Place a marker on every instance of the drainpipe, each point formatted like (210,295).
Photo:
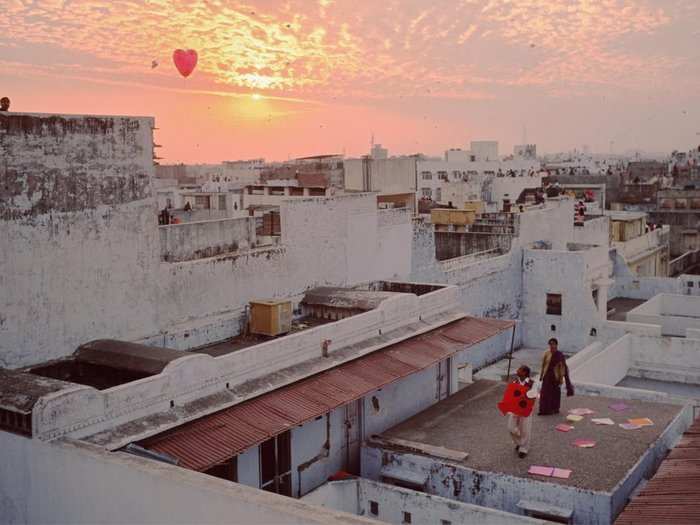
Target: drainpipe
(325,452)
(510,355)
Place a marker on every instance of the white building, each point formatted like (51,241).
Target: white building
(378,152)
(457,181)
(484,150)
(108,241)
(379,318)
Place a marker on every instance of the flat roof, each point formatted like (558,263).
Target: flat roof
(469,421)
(207,441)
(625,215)
(20,391)
(619,306)
(673,494)
(241,341)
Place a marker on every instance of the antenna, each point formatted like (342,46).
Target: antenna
(371,144)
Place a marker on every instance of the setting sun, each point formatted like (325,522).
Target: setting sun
(257,96)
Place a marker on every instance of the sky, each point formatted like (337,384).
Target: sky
(287,78)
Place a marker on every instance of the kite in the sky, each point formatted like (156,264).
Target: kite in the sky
(185,61)
(154,64)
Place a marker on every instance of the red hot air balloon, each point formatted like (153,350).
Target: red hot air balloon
(185,61)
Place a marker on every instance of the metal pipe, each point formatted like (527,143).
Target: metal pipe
(510,355)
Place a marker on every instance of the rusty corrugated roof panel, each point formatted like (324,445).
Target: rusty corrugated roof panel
(673,494)
(207,441)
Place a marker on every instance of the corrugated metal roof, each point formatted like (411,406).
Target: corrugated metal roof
(208,441)
(673,494)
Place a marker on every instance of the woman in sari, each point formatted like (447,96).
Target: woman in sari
(553,374)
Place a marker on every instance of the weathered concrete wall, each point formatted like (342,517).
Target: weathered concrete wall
(680,221)
(77,232)
(557,272)
(674,313)
(489,287)
(117,488)
(199,240)
(456,244)
(553,223)
(82,248)
(392,502)
(607,367)
(397,175)
(488,489)
(594,231)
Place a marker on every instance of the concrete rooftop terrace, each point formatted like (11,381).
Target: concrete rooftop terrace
(469,421)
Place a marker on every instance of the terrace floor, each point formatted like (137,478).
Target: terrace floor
(669,387)
(618,307)
(242,341)
(469,421)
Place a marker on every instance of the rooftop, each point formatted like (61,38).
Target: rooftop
(241,341)
(673,494)
(469,421)
(618,307)
(105,363)
(217,437)
(616,215)
(21,391)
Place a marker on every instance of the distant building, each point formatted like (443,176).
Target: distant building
(644,248)
(526,151)
(379,153)
(680,209)
(484,150)
(644,171)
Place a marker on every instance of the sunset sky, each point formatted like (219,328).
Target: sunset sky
(279,78)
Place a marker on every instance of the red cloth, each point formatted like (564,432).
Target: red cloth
(515,401)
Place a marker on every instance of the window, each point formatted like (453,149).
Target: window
(442,175)
(456,175)
(276,465)
(426,175)
(406,517)
(201,201)
(445,522)
(426,192)
(553,304)
(222,202)
(438,194)
(690,284)
(374,508)
(226,470)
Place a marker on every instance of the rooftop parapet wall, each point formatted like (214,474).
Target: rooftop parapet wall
(645,243)
(198,240)
(78,233)
(72,163)
(242,374)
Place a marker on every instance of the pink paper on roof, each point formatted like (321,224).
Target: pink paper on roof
(619,407)
(562,473)
(540,471)
(584,443)
(563,428)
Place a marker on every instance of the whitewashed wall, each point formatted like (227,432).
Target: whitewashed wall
(81,243)
(78,233)
(60,483)
(558,272)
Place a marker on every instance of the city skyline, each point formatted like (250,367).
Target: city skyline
(294,78)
